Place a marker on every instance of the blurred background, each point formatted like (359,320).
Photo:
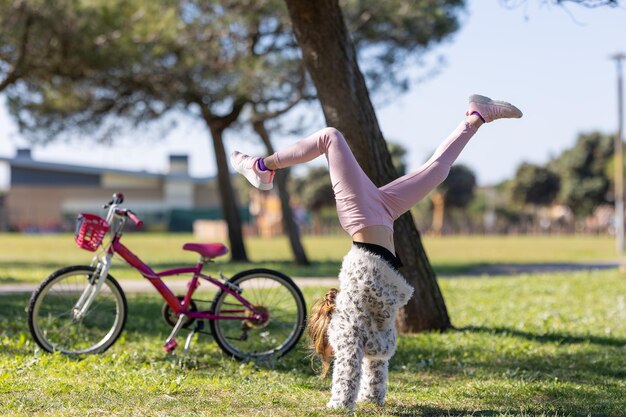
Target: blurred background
(103,101)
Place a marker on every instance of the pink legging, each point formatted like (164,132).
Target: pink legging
(359,202)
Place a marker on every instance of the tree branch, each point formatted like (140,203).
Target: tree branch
(585,3)
(590,3)
(14,72)
(222,122)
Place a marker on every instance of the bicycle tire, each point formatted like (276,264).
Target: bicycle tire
(50,312)
(275,293)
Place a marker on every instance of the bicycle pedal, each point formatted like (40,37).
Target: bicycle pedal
(170,346)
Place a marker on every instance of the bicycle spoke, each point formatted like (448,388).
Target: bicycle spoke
(52,313)
(271,294)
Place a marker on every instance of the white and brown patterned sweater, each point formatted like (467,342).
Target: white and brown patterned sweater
(362,330)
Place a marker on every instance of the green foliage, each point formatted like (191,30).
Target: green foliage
(38,39)
(584,185)
(534,185)
(87,41)
(458,187)
(106,62)
(138,60)
(387,34)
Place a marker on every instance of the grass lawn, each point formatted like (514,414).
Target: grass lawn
(533,345)
(529,345)
(31,258)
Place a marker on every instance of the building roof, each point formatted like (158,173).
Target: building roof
(25,161)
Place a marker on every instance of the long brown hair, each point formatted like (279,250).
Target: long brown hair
(317,329)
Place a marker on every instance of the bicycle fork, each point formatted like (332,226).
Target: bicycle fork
(89,294)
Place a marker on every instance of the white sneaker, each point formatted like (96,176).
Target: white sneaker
(491,110)
(247,166)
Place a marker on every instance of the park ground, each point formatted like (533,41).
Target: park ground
(524,344)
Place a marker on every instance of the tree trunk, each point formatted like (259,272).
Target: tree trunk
(330,58)
(230,208)
(438,213)
(289,224)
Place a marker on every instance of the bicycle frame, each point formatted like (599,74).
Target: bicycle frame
(155,278)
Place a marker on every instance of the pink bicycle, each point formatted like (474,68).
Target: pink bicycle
(82,309)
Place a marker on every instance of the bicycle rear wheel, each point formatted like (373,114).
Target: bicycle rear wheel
(52,312)
(278,297)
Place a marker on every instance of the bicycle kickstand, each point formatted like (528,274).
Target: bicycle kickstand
(198,327)
(170,342)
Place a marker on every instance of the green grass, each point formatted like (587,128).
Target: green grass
(30,258)
(529,345)
(533,345)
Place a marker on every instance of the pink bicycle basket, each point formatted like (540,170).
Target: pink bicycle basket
(90,230)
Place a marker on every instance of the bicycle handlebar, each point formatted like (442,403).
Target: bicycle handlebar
(138,222)
(132,216)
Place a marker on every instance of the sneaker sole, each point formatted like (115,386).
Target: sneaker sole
(265,187)
(476,98)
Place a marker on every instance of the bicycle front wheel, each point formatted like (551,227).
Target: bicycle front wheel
(277,297)
(53,312)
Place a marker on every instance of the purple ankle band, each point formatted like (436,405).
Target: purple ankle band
(479,115)
(261,165)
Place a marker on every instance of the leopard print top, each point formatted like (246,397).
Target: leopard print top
(362,330)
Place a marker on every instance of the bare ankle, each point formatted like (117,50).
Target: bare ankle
(475,121)
(269,163)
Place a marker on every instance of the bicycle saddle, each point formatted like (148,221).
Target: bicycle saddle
(208,250)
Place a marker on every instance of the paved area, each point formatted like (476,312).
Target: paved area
(136,286)
(517,269)
(142,285)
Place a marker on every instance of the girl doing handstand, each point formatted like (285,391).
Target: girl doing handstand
(356,325)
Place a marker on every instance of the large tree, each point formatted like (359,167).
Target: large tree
(141,60)
(331,59)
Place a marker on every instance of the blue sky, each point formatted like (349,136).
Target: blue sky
(551,62)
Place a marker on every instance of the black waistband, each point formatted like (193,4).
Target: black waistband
(381,251)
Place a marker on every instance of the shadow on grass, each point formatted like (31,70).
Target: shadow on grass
(590,359)
(557,338)
(14,322)
(595,356)
(423,411)
(457,270)
(578,375)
